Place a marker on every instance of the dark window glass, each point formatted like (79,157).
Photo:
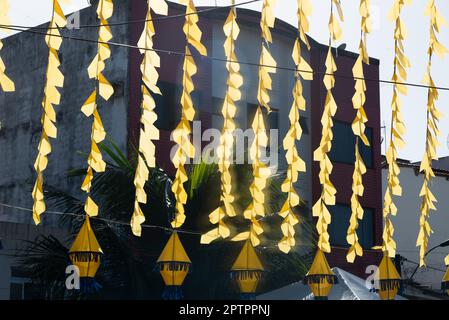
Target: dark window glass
(340,222)
(343,145)
(168,107)
(303,124)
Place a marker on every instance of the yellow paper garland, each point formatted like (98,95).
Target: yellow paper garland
(181,135)
(148,132)
(225,149)
(328,192)
(401,64)
(433,116)
(260,171)
(103,88)
(6,84)
(358,127)
(294,161)
(52,97)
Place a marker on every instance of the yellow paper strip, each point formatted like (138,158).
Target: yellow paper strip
(102,89)
(226,147)
(327,198)
(261,172)
(181,135)
(147,151)
(432,132)
(54,80)
(358,127)
(401,64)
(6,84)
(294,161)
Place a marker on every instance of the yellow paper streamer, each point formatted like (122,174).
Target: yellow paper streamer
(260,171)
(148,132)
(6,84)
(328,192)
(401,64)
(52,97)
(225,149)
(181,135)
(358,127)
(104,89)
(433,116)
(294,161)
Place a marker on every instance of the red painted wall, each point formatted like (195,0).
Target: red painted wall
(342,173)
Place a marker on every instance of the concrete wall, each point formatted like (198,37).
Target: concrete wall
(20,111)
(26,56)
(406,225)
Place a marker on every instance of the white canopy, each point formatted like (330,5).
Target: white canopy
(349,287)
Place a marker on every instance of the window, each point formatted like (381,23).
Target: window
(168,107)
(338,228)
(343,145)
(304,125)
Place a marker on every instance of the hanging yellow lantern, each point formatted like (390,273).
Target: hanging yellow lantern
(445,282)
(174,265)
(247,271)
(85,254)
(320,277)
(388,279)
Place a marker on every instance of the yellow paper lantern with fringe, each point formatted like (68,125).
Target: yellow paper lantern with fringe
(388,279)
(174,265)
(445,282)
(85,254)
(320,277)
(247,271)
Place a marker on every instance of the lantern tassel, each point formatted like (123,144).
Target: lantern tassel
(390,284)
(172,293)
(320,278)
(85,256)
(246,274)
(174,266)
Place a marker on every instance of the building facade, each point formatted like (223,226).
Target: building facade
(406,222)
(25,54)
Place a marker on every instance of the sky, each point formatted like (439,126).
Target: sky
(380,46)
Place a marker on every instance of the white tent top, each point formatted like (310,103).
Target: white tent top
(349,287)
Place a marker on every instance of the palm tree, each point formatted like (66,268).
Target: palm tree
(127,269)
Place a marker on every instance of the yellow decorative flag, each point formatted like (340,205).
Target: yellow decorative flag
(260,171)
(226,147)
(6,84)
(104,89)
(294,161)
(432,133)
(401,64)
(358,127)
(181,135)
(52,97)
(148,132)
(328,192)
